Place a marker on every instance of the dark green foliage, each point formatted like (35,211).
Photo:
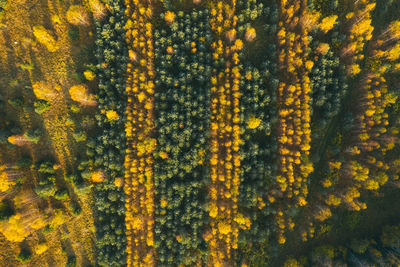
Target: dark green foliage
(46,187)
(24,162)
(61,194)
(3,137)
(328,84)
(258,86)
(182,118)
(71,262)
(16,102)
(73,33)
(108,149)
(48,229)
(391,236)
(25,255)
(6,210)
(359,245)
(75,208)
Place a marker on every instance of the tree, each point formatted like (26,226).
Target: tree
(169,17)
(40,248)
(98,9)
(44,91)
(77,15)
(6,210)
(45,38)
(41,106)
(61,194)
(80,93)
(328,23)
(24,255)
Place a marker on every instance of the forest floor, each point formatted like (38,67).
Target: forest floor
(18,46)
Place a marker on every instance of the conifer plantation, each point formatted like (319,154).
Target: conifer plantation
(207,133)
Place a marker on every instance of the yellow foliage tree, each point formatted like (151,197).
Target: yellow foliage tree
(77,15)
(118,182)
(45,38)
(328,23)
(112,115)
(18,140)
(97,177)
(89,75)
(98,8)
(58,219)
(15,229)
(5,182)
(44,91)
(323,48)
(253,123)
(250,34)
(40,248)
(169,17)
(80,93)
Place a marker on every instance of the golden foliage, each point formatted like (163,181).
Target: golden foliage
(45,38)
(294,109)
(118,182)
(44,91)
(225,170)
(59,218)
(97,176)
(323,48)
(80,93)
(253,122)
(40,248)
(328,23)
(15,229)
(98,9)
(139,184)
(77,15)
(163,155)
(18,140)
(169,17)
(5,182)
(89,75)
(112,115)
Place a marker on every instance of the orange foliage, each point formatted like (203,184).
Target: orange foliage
(77,15)
(250,34)
(169,17)
(97,177)
(80,93)
(44,91)
(18,140)
(98,9)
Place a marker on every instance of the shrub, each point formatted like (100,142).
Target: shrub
(41,106)
(25,255)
